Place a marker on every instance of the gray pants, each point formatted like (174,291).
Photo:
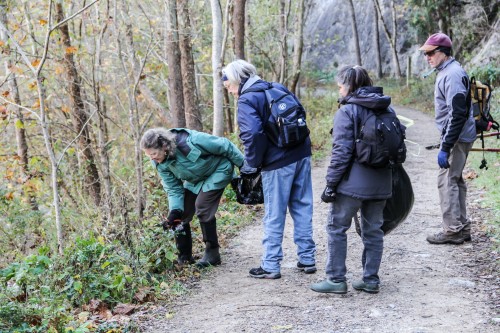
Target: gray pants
(453,190)
(342,210)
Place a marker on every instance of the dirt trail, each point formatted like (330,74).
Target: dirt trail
(424,288)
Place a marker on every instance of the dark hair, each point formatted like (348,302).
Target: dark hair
(354,77)
(445,50)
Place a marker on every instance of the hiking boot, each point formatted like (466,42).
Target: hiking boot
(260,273)
(466,235)
(308,269)
(329,286)
(185,260)
(442,238)
(371,288)
(210,258)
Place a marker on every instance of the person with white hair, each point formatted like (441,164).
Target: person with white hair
(286,172)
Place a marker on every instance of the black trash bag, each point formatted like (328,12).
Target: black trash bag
(248,189)
(399,205)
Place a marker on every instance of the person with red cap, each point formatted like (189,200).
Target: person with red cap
(455,121)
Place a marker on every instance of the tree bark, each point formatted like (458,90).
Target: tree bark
(354,26)
(227,110)
(298,47)
(102,134)
(239,28)
(190,92)
(283,26)
(92,182)
(173,55)
(22,144)
(390,37)
(376,36)
(217,67)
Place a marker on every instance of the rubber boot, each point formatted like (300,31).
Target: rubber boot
(212,255)
(184,244)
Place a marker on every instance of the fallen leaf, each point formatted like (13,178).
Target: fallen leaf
(124,309)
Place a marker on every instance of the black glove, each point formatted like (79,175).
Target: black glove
(173,220)
(246,170)
(329,194)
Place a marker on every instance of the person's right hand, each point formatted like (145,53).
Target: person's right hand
(173,220)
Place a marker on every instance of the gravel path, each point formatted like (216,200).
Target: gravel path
(424,288)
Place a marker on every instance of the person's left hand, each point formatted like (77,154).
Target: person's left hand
(247,170)
(443,159)
(329,194)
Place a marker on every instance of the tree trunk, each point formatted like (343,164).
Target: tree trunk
(134,75)
(239,28)
(217,67)
(283,26)
(390,38)
(173,55)
(355,33)
(190,92)
(376,36)
(22,145)
(102,134)
(298,47)
(79,118)
(227,109)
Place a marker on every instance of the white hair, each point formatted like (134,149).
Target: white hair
(238,70)
(161,139)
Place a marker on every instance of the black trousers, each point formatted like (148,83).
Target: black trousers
(203,204)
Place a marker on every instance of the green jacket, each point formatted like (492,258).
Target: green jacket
(202,162)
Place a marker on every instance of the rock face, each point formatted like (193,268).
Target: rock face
(329,43)
(488,51)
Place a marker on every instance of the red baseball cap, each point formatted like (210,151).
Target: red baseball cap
(435,41)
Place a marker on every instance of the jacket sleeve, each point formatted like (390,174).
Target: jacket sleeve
(218,146)
(174,188)
(342,146)
(252,132)
(456,90)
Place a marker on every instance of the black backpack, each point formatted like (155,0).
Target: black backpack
(289,128)
(380,141)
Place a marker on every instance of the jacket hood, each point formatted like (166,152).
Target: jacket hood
(369,97)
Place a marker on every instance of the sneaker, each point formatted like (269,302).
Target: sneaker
(329,286)
(260,273)
(442,238)
(308,269)
(371,288)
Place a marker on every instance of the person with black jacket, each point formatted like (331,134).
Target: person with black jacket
(352,186)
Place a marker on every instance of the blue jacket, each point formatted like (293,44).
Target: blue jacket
(202,162)
(357,181)
(253,113)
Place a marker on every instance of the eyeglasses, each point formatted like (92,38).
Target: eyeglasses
(430,53)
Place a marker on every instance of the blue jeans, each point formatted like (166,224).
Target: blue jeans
(289,186)
(342,210)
